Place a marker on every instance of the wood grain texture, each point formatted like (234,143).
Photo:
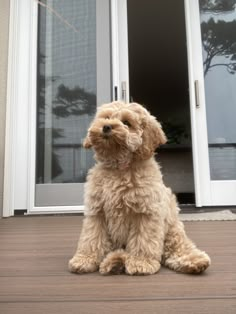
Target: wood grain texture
(137,307)
(34,252)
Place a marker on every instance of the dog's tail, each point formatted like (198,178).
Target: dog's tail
(113,263)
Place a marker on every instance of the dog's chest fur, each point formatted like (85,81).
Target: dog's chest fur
(118,202)
(119,196)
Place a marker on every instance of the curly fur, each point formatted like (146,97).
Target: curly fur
(131,221)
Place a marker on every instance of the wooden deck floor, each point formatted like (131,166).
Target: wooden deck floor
(34,252)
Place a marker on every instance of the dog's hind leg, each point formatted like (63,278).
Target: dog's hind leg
(181,254)
(93,245)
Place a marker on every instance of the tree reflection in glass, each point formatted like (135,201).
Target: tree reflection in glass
(219,36)
(218,30)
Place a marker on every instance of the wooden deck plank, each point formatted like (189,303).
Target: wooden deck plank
(137,307)
(95,287)
(34,253)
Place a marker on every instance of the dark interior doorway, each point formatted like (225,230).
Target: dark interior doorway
(158,73)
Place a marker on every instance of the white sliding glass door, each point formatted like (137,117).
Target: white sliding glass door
(73,78)
(211,29)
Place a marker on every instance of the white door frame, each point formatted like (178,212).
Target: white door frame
(195,69)
(208,192)
(20,138)
(198,113)
(120,55)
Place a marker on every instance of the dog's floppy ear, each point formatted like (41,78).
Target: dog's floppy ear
(159,137)
(87,142)
(153,136)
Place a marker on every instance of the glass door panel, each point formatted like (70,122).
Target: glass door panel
(218,34)
(74,76)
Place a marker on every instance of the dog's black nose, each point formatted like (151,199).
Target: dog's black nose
(107,128)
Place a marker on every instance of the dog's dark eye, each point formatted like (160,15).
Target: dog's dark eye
(125,122)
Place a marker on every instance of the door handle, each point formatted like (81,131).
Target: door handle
(123,91)
(197,98)
(115,93)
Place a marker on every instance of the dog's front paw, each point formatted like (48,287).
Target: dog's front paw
(83,264)
(141,266)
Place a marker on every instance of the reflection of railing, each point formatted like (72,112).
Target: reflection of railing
(175,148)
(222,161)
(68,145)
(222,145)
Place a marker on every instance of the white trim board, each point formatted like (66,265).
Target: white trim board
(21,86)
(12,81)
(56,210)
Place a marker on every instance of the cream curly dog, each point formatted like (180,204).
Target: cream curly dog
(131,222)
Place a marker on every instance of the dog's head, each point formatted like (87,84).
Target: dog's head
(120,129)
